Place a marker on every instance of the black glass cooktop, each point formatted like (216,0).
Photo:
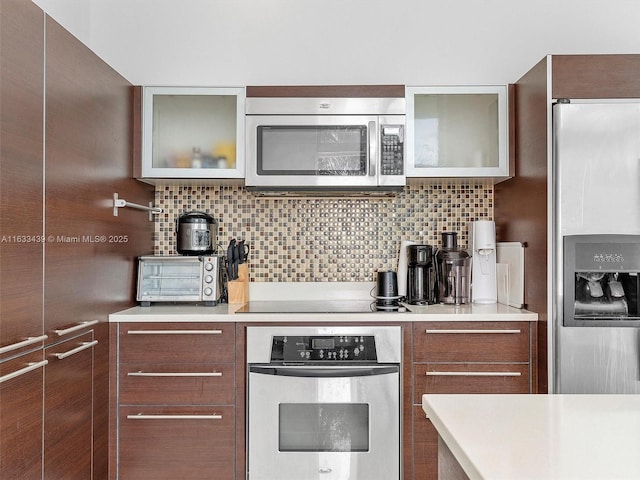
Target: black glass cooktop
(315,306)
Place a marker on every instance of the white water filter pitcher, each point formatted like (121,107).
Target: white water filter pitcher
(484,287)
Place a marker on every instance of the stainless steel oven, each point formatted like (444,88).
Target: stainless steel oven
(324,403)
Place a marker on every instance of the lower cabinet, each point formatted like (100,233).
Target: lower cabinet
(68,409)
(172,443)
(176,401)
(46,416)
(21,404)
(464,357)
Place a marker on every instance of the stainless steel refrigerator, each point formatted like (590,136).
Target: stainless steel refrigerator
(595,335)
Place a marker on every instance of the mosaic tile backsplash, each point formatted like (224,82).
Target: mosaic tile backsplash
(314,239)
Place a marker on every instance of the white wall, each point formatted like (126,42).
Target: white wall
(428,42)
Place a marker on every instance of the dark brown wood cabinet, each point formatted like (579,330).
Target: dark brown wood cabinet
(65,126)
(464,357)
(177,401)
(21,404)
(21,175)
(68,412)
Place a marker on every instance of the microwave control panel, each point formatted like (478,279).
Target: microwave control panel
(323,348)
(392,150)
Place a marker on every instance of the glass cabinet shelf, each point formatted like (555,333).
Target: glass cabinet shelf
(192,132)
(457,132)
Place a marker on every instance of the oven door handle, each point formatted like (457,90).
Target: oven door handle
(323,372)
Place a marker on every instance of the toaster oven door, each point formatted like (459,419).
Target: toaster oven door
(172,279)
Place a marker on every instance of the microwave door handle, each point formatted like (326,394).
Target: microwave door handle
(325,372)
(373,148)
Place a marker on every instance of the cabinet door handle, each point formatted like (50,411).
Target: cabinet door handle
(174,332)
(473,374)
(79,326)
(78,349)
(22,371)
(174,374)
(428,331)
(373,150)
(140,416)
(23,343)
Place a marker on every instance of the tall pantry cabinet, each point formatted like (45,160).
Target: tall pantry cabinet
(65,261)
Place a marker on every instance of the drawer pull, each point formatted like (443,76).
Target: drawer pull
(84,346)
(174,374)
(22,371)
(140,416)
(80,326)
(23,343)
(174,332)
(474,374)
(472,331)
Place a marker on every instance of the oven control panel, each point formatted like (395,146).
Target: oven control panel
(324,348)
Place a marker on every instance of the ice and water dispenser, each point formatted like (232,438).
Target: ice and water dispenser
(601,280)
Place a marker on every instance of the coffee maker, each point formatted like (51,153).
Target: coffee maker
(453,271)
(421,275)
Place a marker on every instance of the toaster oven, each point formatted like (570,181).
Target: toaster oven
(177,278)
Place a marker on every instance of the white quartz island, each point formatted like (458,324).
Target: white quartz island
(540,436)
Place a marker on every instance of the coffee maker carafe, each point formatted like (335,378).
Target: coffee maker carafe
(421,275)
(453,271)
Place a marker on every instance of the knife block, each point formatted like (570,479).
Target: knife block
(239,289)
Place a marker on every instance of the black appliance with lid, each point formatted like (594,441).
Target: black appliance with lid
(453,271)
(421,275)
(196,233)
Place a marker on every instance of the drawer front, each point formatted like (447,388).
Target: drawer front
(177,342)
(177,442)
(177,384)
(471,342)
(469,378)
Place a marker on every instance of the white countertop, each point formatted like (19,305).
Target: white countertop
(317,292)
(540,436)
(226,313)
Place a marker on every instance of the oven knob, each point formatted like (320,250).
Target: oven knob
(208,278)
(208,292)
(208,266)
(302,354)
(356,351)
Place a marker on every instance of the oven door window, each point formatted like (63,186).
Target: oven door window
(339,150)
(323,427)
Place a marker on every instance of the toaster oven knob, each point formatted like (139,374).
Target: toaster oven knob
(208,279)
(208,266)
(208,292)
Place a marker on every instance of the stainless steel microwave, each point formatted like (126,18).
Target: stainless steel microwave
(325,144)
(179,278)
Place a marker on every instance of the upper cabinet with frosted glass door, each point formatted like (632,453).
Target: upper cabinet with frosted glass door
(192,133)
(458,132)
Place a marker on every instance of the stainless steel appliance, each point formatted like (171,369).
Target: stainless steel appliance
(325,144)
(453,271)
(178,278)
(421,275)
(595,339)
(196,233)
(324,402)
